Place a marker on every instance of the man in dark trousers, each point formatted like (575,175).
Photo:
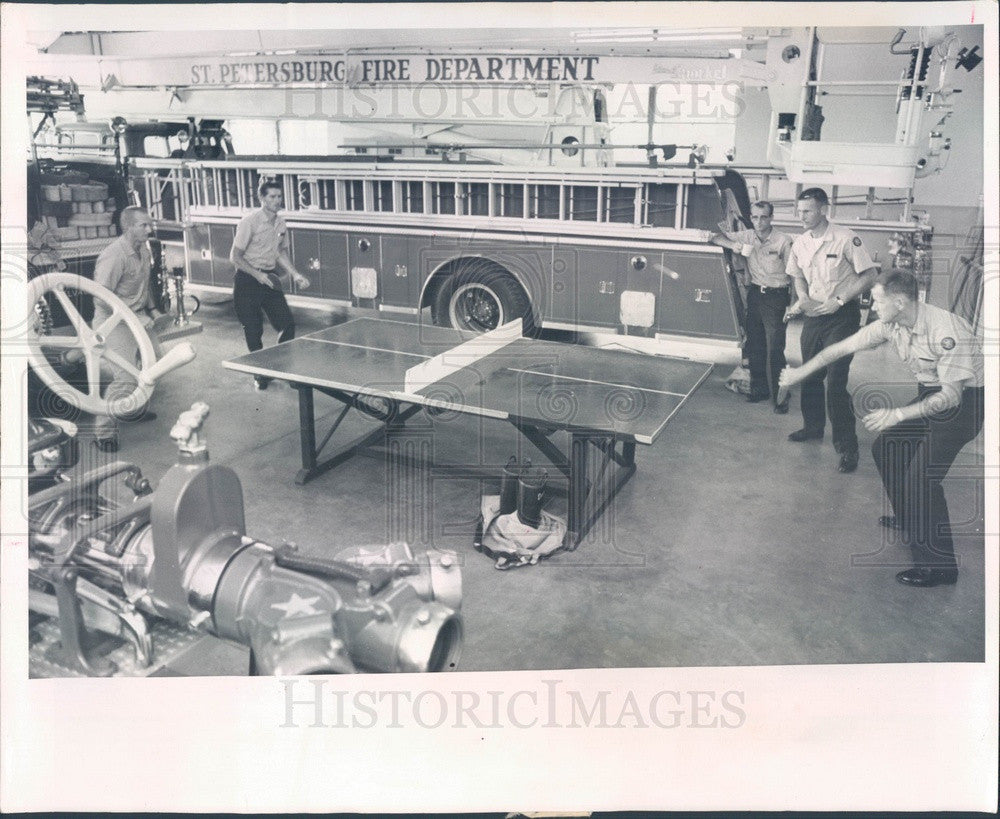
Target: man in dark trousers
(766,251)
(918,443)
(260,247)
(830,268)
(123,268)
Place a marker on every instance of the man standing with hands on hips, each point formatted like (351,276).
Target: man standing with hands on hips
(830,268)
(917,443)
(766,251)
(259,248)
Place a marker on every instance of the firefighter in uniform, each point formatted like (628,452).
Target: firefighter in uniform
(830,268)
(766,251)
(917,443)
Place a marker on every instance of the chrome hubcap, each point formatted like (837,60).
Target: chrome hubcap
(475,307)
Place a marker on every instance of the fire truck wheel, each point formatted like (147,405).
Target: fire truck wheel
(479,300)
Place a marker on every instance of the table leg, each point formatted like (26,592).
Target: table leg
(589,500)
(312,466)
(578,491)
(307,433)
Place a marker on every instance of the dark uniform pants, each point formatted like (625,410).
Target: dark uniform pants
(765,347)
(913,458)
(818,333)
(252,300)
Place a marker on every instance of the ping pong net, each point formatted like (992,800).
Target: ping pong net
(467,354)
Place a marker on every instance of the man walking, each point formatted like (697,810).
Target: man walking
(917,443)
(123,268)
(830,268)
(766,251)
(259,248)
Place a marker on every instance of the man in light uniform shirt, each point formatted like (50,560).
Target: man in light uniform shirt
(918,443)
(259,248)
(830,268)
(766,251)
(123,267)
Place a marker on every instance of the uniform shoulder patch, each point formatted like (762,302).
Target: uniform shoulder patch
(948,343)
(857,241)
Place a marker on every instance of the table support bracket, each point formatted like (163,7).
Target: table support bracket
(587,497)
(312,466)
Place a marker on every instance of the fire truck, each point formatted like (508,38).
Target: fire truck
(479,215)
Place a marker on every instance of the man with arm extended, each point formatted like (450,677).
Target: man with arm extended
(766,251)
(260,247)
(830,268)
(918,443)
(123,267)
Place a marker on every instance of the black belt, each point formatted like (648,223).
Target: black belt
(764,289)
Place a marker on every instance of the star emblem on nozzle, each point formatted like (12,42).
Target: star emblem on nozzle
(297,605)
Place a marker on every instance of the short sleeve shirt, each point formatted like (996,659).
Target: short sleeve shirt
(940,348)
(827,260)
(125,272)
(766,260)
(261,239)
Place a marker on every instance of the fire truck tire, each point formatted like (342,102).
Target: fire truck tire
(482,299)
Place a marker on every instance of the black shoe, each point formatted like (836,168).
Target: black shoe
(806,435)
(260,383)
(757,397)
(848,462)
(107,444)
(782,408)
(891,522)
(926,578)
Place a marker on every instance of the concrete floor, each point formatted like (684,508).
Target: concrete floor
(730,545)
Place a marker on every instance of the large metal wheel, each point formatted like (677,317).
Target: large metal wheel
(481,297)
(46,350)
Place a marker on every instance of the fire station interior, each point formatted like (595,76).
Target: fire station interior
(729,546)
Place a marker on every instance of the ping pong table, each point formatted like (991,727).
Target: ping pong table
(606,400)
